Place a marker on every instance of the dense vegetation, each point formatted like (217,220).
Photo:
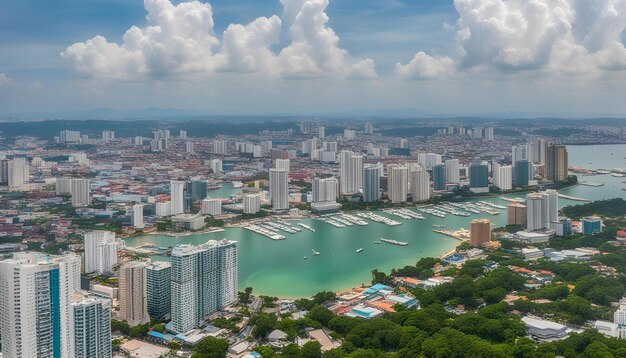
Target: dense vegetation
(611,208)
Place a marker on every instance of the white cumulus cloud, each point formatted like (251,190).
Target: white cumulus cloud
(179,40)
(553,36)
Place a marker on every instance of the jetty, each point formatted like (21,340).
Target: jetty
(573,198)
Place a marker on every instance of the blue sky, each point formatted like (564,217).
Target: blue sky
(467,57)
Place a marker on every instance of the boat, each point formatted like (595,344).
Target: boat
(377,242)
(359,250)
(307,227)
(394,242)
(315,253)
(439,226)
(237,184)
(305,257)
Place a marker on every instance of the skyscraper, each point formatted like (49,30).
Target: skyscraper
(18,171)
(132,293)
(556,163)
(534,212)
(136,216)
(204,280)
(516,214)
(36,312)
(158,289)
(220,147)
(479,177)
(177,189)
(211,206)
(550,207)
(439,177)
(100,251)
(371,184)
(452,171)
(420,184)
(324,190)
(92,325)
(279,189)
(523,170)
(502,176)
(350,172)
(480,232)
(489,133)
(216,165)
(251,203)
(398,182)
(518,152)
(108,136)
(282,164)
(78,188)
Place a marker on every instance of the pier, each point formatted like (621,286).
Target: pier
(573,198)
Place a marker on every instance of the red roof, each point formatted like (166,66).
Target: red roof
(621,233)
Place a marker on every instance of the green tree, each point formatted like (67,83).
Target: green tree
(321,315)
(210,347)
(312,349)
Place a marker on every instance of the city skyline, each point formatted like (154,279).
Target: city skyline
(415,58)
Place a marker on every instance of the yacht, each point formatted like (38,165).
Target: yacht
(359,250)
(315,253)
(305,257)
(307,227)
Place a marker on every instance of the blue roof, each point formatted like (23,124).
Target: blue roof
(156,335)
(377,287)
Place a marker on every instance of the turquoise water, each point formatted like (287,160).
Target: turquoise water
(278,268)
(225,192)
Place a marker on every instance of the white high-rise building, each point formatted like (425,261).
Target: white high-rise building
(279,189)
(100,251)
(398,183)
(251,203)
(79,189)
(489,133)
(325,190)
(189,147)
(536,150)
(502,176)
(220,147)
(108,136)
(204,280)
(70,136)
(321,132)
(428,160)
(452,171)
(132,293)
(92,325)
(36,318)
(211,207)
(371,183)
(182,134)
(18,170)
(349,134)
(518,152)
(136,216)
(420,184)
(282,164)
(216,165)
(163,208)
(368,128)
(177,192)
(550,207)
(350,172)
(535,212)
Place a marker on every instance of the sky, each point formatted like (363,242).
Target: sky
(314,57)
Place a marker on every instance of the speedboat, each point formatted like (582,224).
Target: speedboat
(315,253)
(359,250)
(305,257)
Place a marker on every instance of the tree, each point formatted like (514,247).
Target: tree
(244,297)
(321,315)
(210,347)
(264,324)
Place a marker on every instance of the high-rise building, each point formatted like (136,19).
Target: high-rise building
(189,147)
(18,172)
(163,208)
(321,132)
(428,160)
(282,164)
(523,172)
(220,147)
(70,136)
(307,127)
(480,232)
(100,251)
(204,280)
(591,225)
(556,163)
(211,207)
(279,189)
(324,190)
(349,134)
(398,183)
(371,184)
(489,133)
(36,318)
(536,150)
(182,134)
(108,136)
(251,203)
(502,176)
(518,152)
(158,289)
(132,293)
(404,143)
(216,166)
(368,128)
(420,184)
(439,177)
(535,212)
(197,189)
(516,214)
(550,207)
(177,191)
(136,216)
(91,325)
(79,189)
(350,172)
(479,177)
(452,171)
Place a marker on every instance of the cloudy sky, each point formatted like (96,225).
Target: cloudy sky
(461,57)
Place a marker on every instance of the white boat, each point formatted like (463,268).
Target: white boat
(394,242)
(315,253)
(307,227)
(305,257)
(237,184)
(359,250)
